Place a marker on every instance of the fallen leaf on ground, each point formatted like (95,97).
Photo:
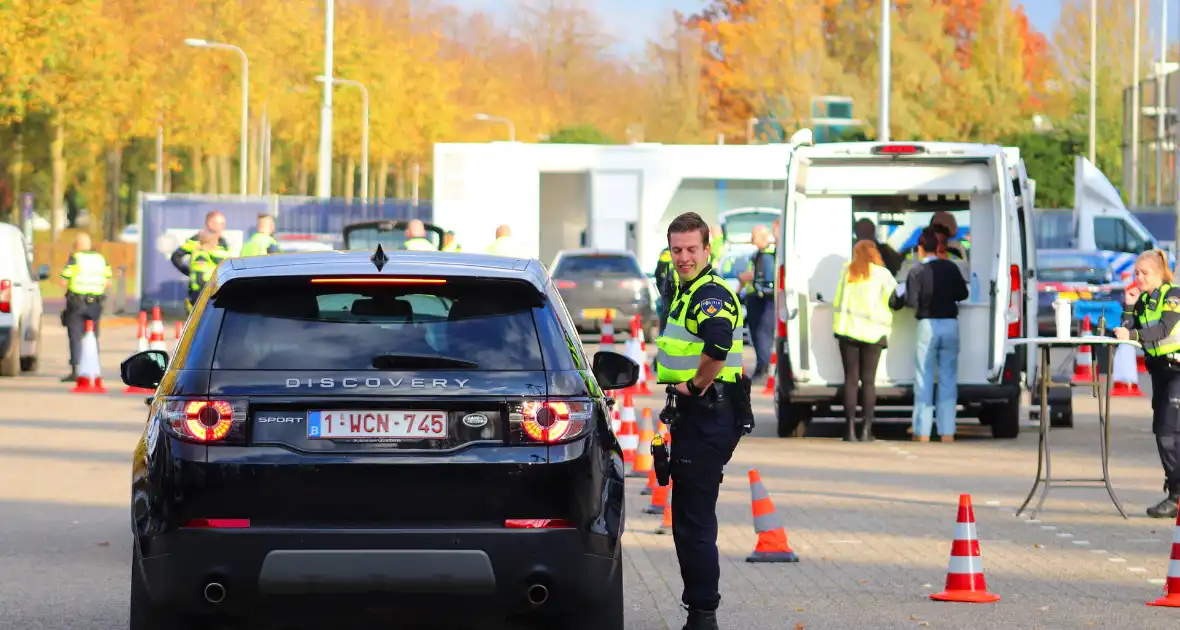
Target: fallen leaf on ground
(104,543)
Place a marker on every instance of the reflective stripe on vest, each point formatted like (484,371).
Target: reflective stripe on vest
(862,308)
(679,346)
(202,265)
(258,245)
(1169,345)
(420,245)
(88,275)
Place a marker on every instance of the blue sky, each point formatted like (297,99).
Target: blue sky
(641,19)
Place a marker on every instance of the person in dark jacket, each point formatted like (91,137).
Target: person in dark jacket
(866,230)
(933,289)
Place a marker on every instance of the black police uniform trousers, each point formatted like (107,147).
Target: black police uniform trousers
(1165,422)
(80,308)
(703,441)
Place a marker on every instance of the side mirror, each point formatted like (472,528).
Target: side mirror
(144,369)
(615,371)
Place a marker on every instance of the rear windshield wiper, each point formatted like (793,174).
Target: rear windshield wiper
(418,361)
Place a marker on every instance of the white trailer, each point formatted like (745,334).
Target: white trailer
(563,196)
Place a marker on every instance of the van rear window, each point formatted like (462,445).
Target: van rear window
(463,324)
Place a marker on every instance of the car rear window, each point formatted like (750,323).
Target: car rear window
(460,324)
(390,236)
(597,265)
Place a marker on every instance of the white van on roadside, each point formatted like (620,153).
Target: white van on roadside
(901,185)
(20,303)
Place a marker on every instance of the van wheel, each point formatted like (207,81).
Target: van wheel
(29,364)
(792,419)
(1004,418)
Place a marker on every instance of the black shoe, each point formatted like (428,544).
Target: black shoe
(701,620)
(866,431)
(1165,508)
(69,378)
(849,431)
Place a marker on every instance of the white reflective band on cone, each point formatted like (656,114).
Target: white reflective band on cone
(965,531)
(965,565)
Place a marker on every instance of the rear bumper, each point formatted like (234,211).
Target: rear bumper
(302,572)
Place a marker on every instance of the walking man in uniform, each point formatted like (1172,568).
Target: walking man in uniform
(416,240)
(214,223)
(203,263)
(759,283)
(263,241)
(700,352)
(86,277)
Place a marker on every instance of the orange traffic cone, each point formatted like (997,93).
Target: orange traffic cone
(89,380)
(1083,365)
(1124,374)
(608,329)
(616,425)
(769,390)
(772,545)
(142,342)
(628,433)
(644,461)
(1140,362)
(651,483)
(156,338)
(964,576)
(1171,598)
(659,496)
(666,524)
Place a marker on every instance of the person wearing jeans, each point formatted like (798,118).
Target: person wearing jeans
(933,289)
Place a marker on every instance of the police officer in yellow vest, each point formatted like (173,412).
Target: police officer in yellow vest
(1151,316)
(263,242)
(450,243)
(504,245)
(203,263)
(416,240)
(665,277)
(215,223)
(759,293)
(86,277)
(700,357)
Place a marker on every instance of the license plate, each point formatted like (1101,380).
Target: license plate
(597,313)
(360,425)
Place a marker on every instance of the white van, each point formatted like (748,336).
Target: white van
(899,186)
(20,304)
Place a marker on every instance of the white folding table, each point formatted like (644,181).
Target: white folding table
(1101,390)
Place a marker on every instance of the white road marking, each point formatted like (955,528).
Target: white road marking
(1048,527)
(1142,541)
(1098,551)
(1117,559)
(993,502)
(1081,542)
(1137,569)
(1064,535)
(1159,581)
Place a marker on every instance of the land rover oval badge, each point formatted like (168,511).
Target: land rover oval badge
(475,420)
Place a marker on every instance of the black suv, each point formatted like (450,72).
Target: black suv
(400,437)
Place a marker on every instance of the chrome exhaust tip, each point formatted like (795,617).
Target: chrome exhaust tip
(538,594)
(214,592)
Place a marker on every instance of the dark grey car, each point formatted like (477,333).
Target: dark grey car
(591,281)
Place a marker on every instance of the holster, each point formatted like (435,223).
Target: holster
(743,407)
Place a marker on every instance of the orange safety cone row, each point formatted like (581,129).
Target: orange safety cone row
(666,524)
(644,462)
(1083,365)
(769,389)
(628,433)
(964,576)
(651,483)
(772,545)
(659,496)
(1171,598)
(641,388)
(156,338)
(89,379)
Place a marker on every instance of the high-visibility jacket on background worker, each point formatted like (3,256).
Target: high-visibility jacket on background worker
(201,267)
(259,245)
(679,346)
(862,308)
(87,272)
(419,244)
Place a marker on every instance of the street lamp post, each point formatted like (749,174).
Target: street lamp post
(323,179)
(364,130)
(1093,80)
(511,126)
(243,157)
(1135,109)
(886,69)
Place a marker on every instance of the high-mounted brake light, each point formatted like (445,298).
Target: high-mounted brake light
(539,523)
(897,149)
(378,281)
(5,296)
(550,422)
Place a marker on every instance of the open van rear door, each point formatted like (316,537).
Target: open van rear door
(1026,258)
(791,305)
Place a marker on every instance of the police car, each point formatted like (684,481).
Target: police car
(394,437)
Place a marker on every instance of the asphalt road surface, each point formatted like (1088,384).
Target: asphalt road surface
(872,523)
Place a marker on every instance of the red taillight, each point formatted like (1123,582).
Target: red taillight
(566,284)
(551,421)
(5,296)
(217,523)
(1014,306)
(634,285)
(897,149)
(203,420)
(538,523)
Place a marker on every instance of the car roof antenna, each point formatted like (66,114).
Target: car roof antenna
(379,258)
